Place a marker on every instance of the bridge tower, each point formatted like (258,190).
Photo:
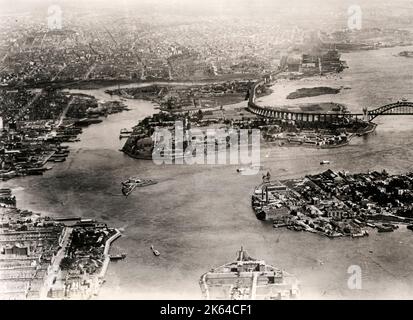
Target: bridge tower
(366,114)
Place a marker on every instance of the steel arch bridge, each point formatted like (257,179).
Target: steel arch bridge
(401,108)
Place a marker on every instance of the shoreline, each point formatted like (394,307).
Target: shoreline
(65,255)
(95,84)
(101,277)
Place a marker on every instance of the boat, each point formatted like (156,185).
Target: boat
(118,257)
(155,252)
(386,227)
(266,177)
(130,184)
(87,121)
(248,279)
(324,162)
(125,131)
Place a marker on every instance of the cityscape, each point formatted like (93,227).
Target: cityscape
(227,150)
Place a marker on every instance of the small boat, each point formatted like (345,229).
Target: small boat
(391,225)
(385,228)
(125,131)
(240,169)
(118,257)
(324,162)
(155,252)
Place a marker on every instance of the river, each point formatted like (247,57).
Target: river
(198,216)
(374,79)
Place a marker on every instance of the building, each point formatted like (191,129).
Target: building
(16,249)
(248,279)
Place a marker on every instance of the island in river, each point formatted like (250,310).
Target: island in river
(312,92)
(407,54)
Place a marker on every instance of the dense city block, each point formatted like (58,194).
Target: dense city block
(337,204)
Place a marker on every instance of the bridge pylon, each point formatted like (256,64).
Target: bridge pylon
(366,114)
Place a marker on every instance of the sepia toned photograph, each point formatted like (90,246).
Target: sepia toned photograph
(206,150)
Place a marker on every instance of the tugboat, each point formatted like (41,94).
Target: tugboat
(155,252)
(248,279)
(387,227)
(130,184)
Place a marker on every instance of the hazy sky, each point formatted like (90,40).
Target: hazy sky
(294,9)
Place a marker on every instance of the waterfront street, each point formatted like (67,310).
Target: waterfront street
(54,269)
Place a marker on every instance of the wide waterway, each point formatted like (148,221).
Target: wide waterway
(198,216)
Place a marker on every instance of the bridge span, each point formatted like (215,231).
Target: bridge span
(396,108)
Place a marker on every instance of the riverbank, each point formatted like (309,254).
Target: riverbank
(364,79)
(92,84)
(71,113)
(101,278)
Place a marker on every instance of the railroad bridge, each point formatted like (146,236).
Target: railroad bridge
(268,112)
(397,108)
